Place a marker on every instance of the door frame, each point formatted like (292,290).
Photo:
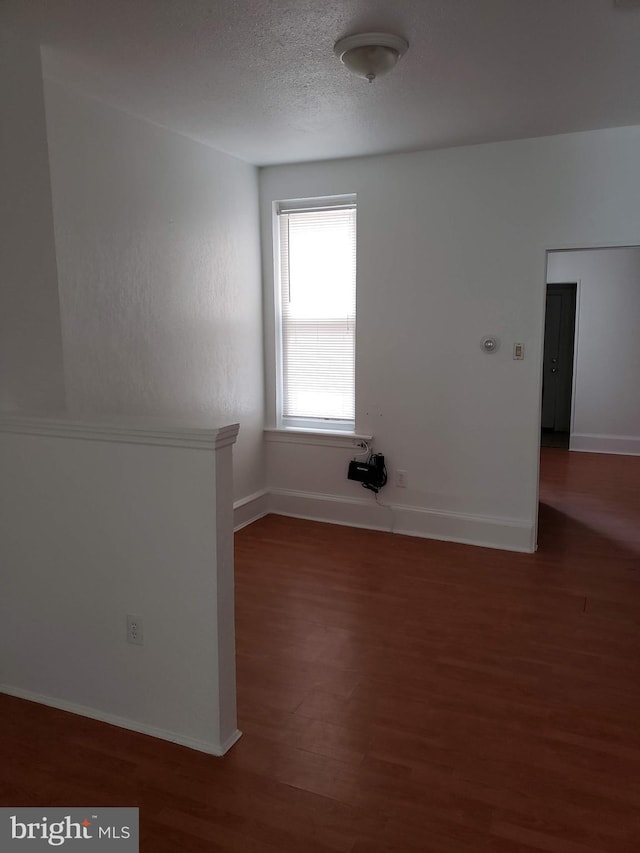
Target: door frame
(576,335)
(576,344)
(545,252)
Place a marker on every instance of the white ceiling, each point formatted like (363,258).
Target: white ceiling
(258,78)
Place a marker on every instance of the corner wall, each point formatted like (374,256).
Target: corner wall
(159,274)
(451,247)
(31,371)
(103,519)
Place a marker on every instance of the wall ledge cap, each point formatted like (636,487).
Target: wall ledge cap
(121,429)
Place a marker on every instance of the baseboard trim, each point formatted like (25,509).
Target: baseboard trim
(123,722)
(250,509)
(505,534)
(485,531)
(621,445)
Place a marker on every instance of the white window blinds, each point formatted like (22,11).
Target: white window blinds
(318,313)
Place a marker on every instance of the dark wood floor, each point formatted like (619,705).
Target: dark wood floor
(399,694)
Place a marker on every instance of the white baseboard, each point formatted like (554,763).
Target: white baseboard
(506,534)
(503,533)
(123,723)
(624,445)
(250,509)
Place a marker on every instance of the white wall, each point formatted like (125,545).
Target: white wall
(607,361)
(31,372)
(159,273)
(452,246)
(101,520)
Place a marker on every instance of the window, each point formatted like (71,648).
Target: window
(316,312)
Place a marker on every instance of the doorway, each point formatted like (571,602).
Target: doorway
(591,327)
(557,372)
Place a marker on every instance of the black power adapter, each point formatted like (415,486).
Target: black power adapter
(371,474)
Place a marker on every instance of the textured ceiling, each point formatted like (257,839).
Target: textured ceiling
(258,78)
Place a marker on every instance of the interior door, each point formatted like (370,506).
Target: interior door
(557,374)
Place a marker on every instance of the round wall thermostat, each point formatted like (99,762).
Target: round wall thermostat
(489,344)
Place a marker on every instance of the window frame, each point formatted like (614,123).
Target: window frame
(346,200)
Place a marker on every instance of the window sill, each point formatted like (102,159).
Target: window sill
(317,437)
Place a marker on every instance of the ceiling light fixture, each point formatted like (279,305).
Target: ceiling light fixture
(370,55)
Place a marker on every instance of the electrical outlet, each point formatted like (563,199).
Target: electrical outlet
(134,630)
(361,443)
(401,479)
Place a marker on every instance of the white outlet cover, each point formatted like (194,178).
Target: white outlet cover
(135,634)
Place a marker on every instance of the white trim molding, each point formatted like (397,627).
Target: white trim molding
(317,438)
(623,445)
(505,534)
(218,749)
(490,532)
(121,429)
(250,509)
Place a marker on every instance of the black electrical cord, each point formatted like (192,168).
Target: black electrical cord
(382,479)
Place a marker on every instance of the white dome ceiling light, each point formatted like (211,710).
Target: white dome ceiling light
(370,55)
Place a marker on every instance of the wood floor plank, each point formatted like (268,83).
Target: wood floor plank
(398,695)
